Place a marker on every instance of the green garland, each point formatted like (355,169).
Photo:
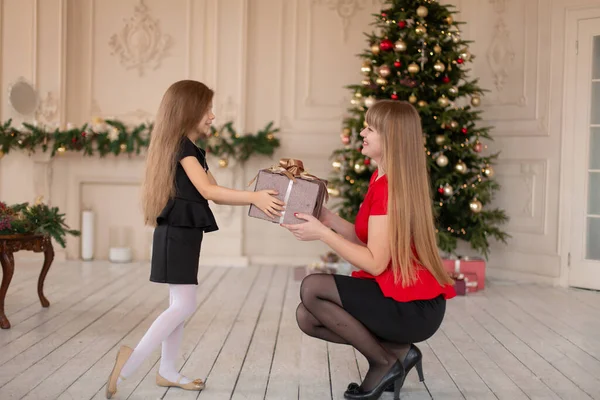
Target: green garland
(36,219)
(115,137)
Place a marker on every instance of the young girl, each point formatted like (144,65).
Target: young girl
(175,194)
(399,295)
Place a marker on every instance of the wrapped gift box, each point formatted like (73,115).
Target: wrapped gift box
(475,267)
(301,192)
(464,283)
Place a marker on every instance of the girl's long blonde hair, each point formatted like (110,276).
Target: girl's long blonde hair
(410,210)
(182,107)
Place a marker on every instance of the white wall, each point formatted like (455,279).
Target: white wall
(287,61)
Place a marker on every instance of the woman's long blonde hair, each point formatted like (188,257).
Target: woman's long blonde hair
(410,210)
(182,107)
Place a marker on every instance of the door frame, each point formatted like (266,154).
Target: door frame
(573,17)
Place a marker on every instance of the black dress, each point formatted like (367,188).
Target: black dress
(181,226)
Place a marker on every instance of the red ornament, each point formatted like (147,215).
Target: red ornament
(383,14)
(394,96)
(460,61)
(401,24)
(346,140)
(74,140)
(441,190)
(367,161)
(464,131)
(386,45)
(83,134)
(397,64)
(478,147)
(446,79)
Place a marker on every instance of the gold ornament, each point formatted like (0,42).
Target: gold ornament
(440,139)
(97,120)
(333,192)
(439,67)
(453,90)
(336,165)
(448,191)
(437,49)
(384,71)
(366,82)
(422,103)
(369,101)
(61,150)
(413,68)
(380,81)
(400,45)
(366,68)
(488,171)
(223,163)
(346,132)
(465,54)
(443,101)
(123,147)
(270,136)
(359,168)
(442,161)
(475,101)
(449,20)
(475,206)
(422,11)
(453,124)
(412,99)
(420,30)
(461,167)
(375,49)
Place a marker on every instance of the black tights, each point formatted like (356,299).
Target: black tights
(321,315)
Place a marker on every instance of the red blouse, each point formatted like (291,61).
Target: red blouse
(426,286)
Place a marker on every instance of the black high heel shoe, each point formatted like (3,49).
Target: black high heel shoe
(396,375)
(413,358)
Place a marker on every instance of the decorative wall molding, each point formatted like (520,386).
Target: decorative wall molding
(345,9)
(48,108)
(140,44)
(523,193)
(500,54)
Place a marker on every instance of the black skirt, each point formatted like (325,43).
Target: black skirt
(388,319)
(175,254)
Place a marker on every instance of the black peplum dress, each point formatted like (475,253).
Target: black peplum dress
(181,226)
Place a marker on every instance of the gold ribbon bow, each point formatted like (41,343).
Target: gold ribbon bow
(294,168)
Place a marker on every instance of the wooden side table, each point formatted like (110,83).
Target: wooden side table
(10,244)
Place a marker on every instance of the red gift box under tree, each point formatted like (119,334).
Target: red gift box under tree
(472,268)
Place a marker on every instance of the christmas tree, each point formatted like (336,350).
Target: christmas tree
(417,55)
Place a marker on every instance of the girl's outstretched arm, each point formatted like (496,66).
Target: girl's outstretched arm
(263,199)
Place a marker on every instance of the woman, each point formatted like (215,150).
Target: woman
(399,295)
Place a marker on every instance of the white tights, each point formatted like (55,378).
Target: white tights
(168,330)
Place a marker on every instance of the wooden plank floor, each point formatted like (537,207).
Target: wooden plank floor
(512,341)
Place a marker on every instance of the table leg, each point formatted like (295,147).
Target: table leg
(48,258)
(8,268)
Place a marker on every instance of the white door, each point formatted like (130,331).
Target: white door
(585,239)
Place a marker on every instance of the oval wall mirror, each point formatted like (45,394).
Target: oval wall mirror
(22,97)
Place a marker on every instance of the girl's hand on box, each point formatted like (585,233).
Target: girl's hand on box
(267,203)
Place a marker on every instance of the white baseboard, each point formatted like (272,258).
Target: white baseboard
(214,261)
(520,277)
(282,260)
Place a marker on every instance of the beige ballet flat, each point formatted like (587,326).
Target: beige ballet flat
(122,356)
(197,384)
